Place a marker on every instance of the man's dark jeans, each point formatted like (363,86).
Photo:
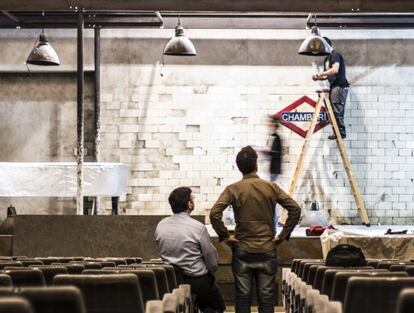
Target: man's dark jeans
(262,268)
(338,99)
(208,295)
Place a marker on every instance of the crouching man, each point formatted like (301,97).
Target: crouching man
(184,242)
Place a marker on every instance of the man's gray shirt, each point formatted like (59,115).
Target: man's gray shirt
(184,241)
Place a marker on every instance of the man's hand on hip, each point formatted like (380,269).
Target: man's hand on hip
(277,240)
(231,241)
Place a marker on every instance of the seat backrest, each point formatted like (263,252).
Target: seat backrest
(405,301)
(154,306)
(160,276)
(187,292)
(148,283)
(329,276)
(5,280)
(28,262)
(310,279)
(169,270)
(72,268)
(8,264)
(341,281)
(333,307)
(374,294)
(89,265)
(180,294)
(170,303)
(26,277)
(410,270)
(397,268)
(320,272)
(112,293)
(50,271)
(117,261)
(65,299)
(48,261)
(386,264)
(64,259)
(305,270)
(14,304)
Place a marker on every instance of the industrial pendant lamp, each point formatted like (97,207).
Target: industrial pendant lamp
(43,53)
(315,44)
(180,45)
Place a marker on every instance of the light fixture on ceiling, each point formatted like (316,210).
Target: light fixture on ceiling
(314,44)
(180,44)
(42,52)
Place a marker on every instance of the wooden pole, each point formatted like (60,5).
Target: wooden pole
(345,160)
(80,117)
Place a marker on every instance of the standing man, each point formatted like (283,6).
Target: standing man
(275,150)
(184,242)
(253,245)
(334,72)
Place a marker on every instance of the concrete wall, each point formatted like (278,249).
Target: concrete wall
(185,127)
(38,113)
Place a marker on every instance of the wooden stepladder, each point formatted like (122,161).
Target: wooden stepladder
(324,99)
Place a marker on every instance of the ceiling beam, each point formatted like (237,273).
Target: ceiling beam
(203,20)
(318,6)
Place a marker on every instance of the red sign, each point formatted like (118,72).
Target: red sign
(298,115)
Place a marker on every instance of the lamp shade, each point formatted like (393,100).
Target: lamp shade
(180,44)
(315,45)
(43,53)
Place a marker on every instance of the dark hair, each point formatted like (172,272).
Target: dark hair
(179,198)
(328,41)
(246,160)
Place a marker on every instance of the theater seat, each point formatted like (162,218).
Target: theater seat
(50,271)
(410,270)
(397,268)
(406,301)
(15,305)
(187,293)
(48,261)
(65,299)
(333,307)
(341,281)
(170,303)
(148,283)
(112,293)
(146,278)
(3,265)
(72,268)
(374,294)
(160,276)
(180,294)
(5,280)
(329,276)
(154,306)
(169,271)
(320,272)
(88,265)
(26,277)
(28,262)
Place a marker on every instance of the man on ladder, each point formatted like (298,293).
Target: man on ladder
(334,72)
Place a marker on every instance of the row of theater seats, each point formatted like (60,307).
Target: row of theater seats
(91,285)
(383,286)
